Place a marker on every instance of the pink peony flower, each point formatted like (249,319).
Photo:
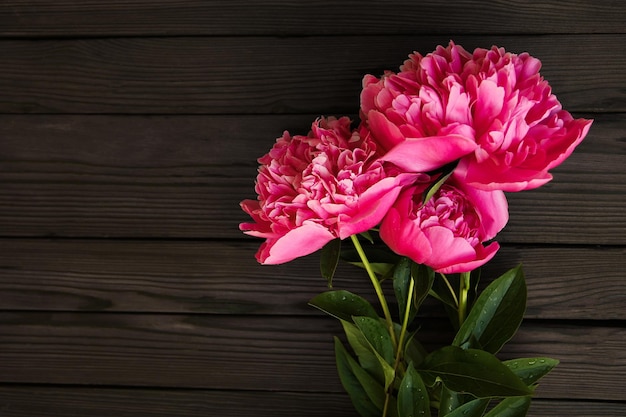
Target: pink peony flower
(312,189)
(490,109)
(448,231)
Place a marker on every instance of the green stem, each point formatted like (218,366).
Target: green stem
(399,353)
(445,279)
(377,288)
(405,321)
(463,292)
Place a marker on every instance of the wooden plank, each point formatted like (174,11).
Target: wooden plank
(236,75)
(224,278)
(36,18)
(184,176)
(262,353)
(575,408)
(19,401)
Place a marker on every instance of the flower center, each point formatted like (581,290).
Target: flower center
(449,208)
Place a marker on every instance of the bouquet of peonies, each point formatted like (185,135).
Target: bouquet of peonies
(418,189)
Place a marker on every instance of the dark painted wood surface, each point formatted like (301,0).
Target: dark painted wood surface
(252,75)
(84,18)
(129,132)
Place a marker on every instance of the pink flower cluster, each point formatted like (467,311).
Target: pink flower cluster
(487,118)
(312,189)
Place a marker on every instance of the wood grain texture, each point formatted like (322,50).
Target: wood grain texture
(236,75)
(129,132)
(35,18)
(27,401)
(224,278)
(184,176)
(261,353)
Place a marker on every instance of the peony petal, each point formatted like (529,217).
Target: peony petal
(489,177)
(483,255)
(492,207)
(488,105)
(386,133)
(429,153)
(577,130)
(404,237)
(447,249)
(458,107)
(300,241)
(371,88)
(371,208)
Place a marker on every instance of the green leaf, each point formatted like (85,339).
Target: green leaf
(424,277)
(379,268)
(367,236)
(511,407)
(414,351)
(329,259)
(379,342)
(474,408)
(374,253)
(530,370)
(343,305)
(435,187)
(471,370)
(412,395)
(377,335)
(496,314)
(401,283)
(365,353)
(367,395)
(442,293)
(450,400)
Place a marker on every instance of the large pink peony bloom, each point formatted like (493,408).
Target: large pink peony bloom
(448,231)
(312,189)
(490,109)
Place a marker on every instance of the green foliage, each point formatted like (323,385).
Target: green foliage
(369,360)
(405,271)
(414,351)
(424,278)
(380,258)
(401,284)
(389,373)
(329,259)
(473,371)
(413,397)
(496,314)
(367,395)
(377,335)
(437,184)
(511,407)
(452,400)
(379,343)
(343,305)
(530,370)
(473,408)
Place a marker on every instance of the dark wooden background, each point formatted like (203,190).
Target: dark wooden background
(129,132)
